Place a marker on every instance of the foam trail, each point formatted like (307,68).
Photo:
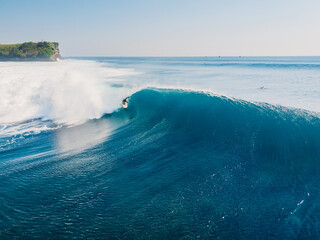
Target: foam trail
(66,92)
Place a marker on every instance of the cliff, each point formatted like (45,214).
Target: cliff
(30,51)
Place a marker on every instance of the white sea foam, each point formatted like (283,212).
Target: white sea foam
(68,91)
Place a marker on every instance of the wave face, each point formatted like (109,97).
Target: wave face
(173,165)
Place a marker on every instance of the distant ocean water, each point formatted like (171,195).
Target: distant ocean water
(208,148)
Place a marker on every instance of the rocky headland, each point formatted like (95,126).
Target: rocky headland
(30,51)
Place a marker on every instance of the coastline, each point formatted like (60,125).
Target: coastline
(31,59)
(30,51)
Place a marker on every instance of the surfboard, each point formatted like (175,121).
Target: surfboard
(125,105)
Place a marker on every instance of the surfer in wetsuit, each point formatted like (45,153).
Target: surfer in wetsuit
(125,102)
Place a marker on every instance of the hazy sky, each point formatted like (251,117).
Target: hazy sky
(166,27)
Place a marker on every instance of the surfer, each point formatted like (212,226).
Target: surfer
(125,102)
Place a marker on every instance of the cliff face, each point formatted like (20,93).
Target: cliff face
(30,51)
(56,52)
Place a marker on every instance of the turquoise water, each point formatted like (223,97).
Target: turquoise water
(201,152)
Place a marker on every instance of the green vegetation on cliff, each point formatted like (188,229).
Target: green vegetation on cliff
(30,50)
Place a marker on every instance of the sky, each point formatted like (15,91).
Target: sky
(166,27)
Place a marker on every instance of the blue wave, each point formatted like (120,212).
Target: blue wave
(265,130)
(259,132)
(175,164)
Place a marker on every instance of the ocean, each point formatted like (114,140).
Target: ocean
(208,148)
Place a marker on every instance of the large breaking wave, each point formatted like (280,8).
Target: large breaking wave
(227,168)
(257,130)
(175,164)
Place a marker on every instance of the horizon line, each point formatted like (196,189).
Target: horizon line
(217,56)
